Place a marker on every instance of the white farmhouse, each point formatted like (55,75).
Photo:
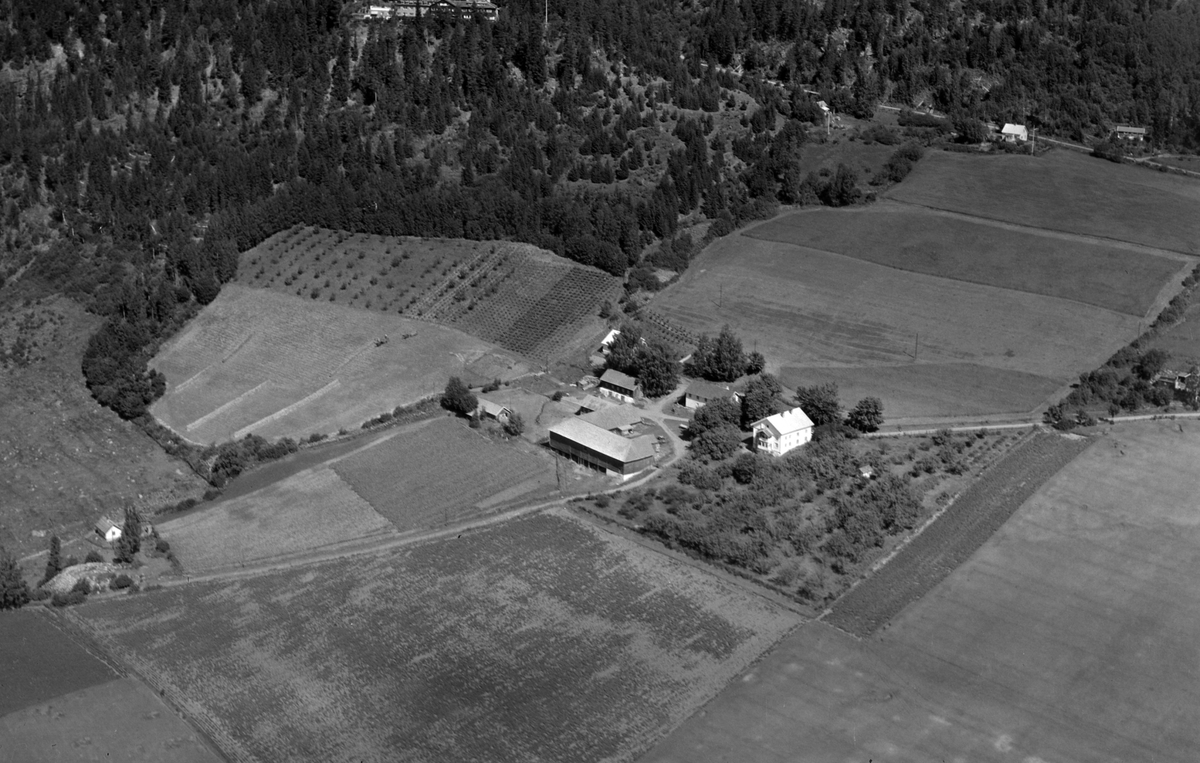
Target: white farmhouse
(108,529)
(1014,133)
(782,432)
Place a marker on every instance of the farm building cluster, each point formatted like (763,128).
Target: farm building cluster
(412,9)
(605,434)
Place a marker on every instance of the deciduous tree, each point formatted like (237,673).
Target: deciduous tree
(458,398)
(820,402)
(867,415)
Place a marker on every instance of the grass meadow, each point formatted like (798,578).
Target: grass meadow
(914,240)
(813,311)
(1068,636)
(540,639)
(444,472)
(1062,191)
(65,460)
(303,512)
(276,365)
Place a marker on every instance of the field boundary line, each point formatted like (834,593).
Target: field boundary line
(216,739)
(188,382)
(1051,232)
(240,345)
(287,409)
(221,409)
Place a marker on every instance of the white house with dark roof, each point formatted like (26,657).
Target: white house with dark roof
(588,444)
(782,432)
(108,529)
(493,409)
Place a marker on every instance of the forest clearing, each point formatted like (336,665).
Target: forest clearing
(543,638)
(1064,637)
(277,365)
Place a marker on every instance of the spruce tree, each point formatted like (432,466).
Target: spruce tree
(54,560)
(14,592)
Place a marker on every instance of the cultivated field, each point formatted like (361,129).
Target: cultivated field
(1063,191)
(522,298)
(309,510)
(1068,636)
(60,703)
(807,309)
(64,460)
(446,471)
(912,239)
(951,539)
(540,639)
(275,365)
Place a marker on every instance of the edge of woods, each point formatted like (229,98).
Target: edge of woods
(952,536)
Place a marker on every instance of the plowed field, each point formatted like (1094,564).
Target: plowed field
(541,639)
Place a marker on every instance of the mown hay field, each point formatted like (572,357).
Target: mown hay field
(540,639)
(808,309)
(915,240)
(1063,191)
(304,512)
(443,472)
(258,361)
(1068,636)
(60,702)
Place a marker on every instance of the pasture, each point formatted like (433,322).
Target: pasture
(258,361)
(61,703)
(540,639)
(522,298)
(1068,636)
(809,310)
(64,460)
(444,472)
(1062,191)
(915,240)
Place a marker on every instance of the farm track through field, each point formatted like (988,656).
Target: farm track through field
(1047,232)
(950,539)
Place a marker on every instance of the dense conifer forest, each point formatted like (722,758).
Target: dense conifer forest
(144,143)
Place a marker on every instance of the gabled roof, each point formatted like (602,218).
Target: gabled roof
(613,417)
(1131,130)
(706,390)
(592,402)
(1012,129)
(602,441)
(618,379)
(491,407)
(786,422)
(104,524)
(610,337)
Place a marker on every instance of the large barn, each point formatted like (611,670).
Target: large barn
(600,449)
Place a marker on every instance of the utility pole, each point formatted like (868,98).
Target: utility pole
(546,19)
(917,347)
